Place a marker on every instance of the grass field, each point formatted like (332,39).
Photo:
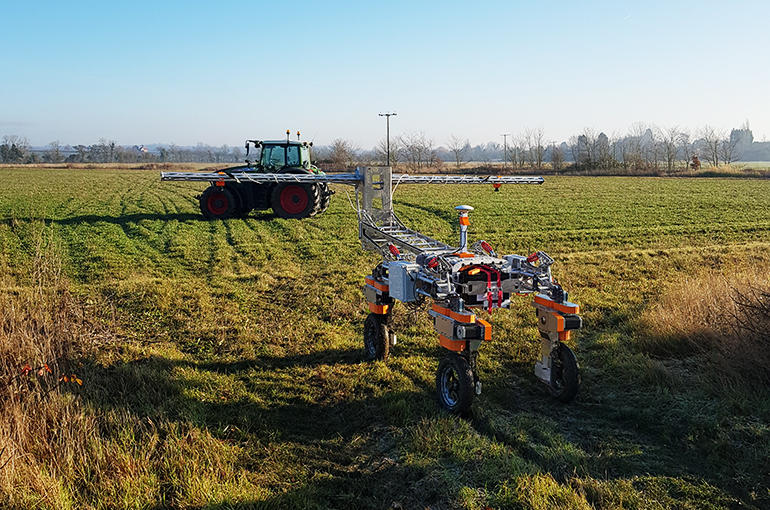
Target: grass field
(223,365)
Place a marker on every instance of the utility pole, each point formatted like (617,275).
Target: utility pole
(387,135)
(505,148)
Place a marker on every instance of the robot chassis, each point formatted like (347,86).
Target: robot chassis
(459,280)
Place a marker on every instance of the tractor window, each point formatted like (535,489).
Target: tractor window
(292,155)
(305,154)
(274,156)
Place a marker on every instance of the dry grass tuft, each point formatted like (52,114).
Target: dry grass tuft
(42,427)
(723,317)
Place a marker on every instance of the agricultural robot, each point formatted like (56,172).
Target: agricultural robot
(460,281)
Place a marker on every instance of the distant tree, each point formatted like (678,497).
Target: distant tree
(685,148)
(650,148)
(669,140)
(538,147)
(603,152)
(495,150)
(587,149)
(514,151)
(53,154)
(557,157)
(712,139)
(728,149)
(417,150)
(14,149)
(381,152)
(342,153)
(527,143)
(81,153)
(457,147)
(574,148)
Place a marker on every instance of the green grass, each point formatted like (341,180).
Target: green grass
(234,376)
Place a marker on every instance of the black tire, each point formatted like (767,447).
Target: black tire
(218,202)
(294,200)
(565,374)
(376,337)
(317,199)
(454,384)
(326,197)
(244,203)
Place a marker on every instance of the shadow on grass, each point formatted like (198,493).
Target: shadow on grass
(125,219)
(599,435)
(343,443)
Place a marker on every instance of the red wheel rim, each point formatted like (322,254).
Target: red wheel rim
(294,199)
(217,203)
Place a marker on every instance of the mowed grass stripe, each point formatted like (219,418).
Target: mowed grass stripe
(237,375)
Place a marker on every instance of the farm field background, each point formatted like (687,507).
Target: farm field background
(228,368)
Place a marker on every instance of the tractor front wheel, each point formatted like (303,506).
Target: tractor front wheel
(377,337)
(565,377)
(217,202)
(294,200)
(454,384)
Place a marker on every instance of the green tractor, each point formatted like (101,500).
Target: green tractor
(227,199)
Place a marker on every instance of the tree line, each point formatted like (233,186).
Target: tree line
(16,149)
(641,148)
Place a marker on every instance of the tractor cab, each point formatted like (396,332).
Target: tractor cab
(277,156)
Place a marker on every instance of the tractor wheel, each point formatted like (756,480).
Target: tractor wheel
(454,384)
(565,377)
(290,200)
(317,199)
(377,337)
(218,202)
(326,197)
(244,204)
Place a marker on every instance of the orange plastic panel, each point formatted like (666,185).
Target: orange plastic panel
(452,345)
(561,307)
(467,318)
(377,285)
(378,309)
(487,329)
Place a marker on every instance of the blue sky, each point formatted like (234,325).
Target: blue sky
(220,72)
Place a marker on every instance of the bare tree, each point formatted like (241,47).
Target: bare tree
(587,149)
(538,147)
(494,149)
(685,148)
(633,153)
(381,152)
(417,150)
(728,149)
(574,148)
(517,151)
(527,143)
(458,147)
(650,147)
(341,153)
(669,139)
(557,157)
(53,154)
(711,139)
(603,152)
